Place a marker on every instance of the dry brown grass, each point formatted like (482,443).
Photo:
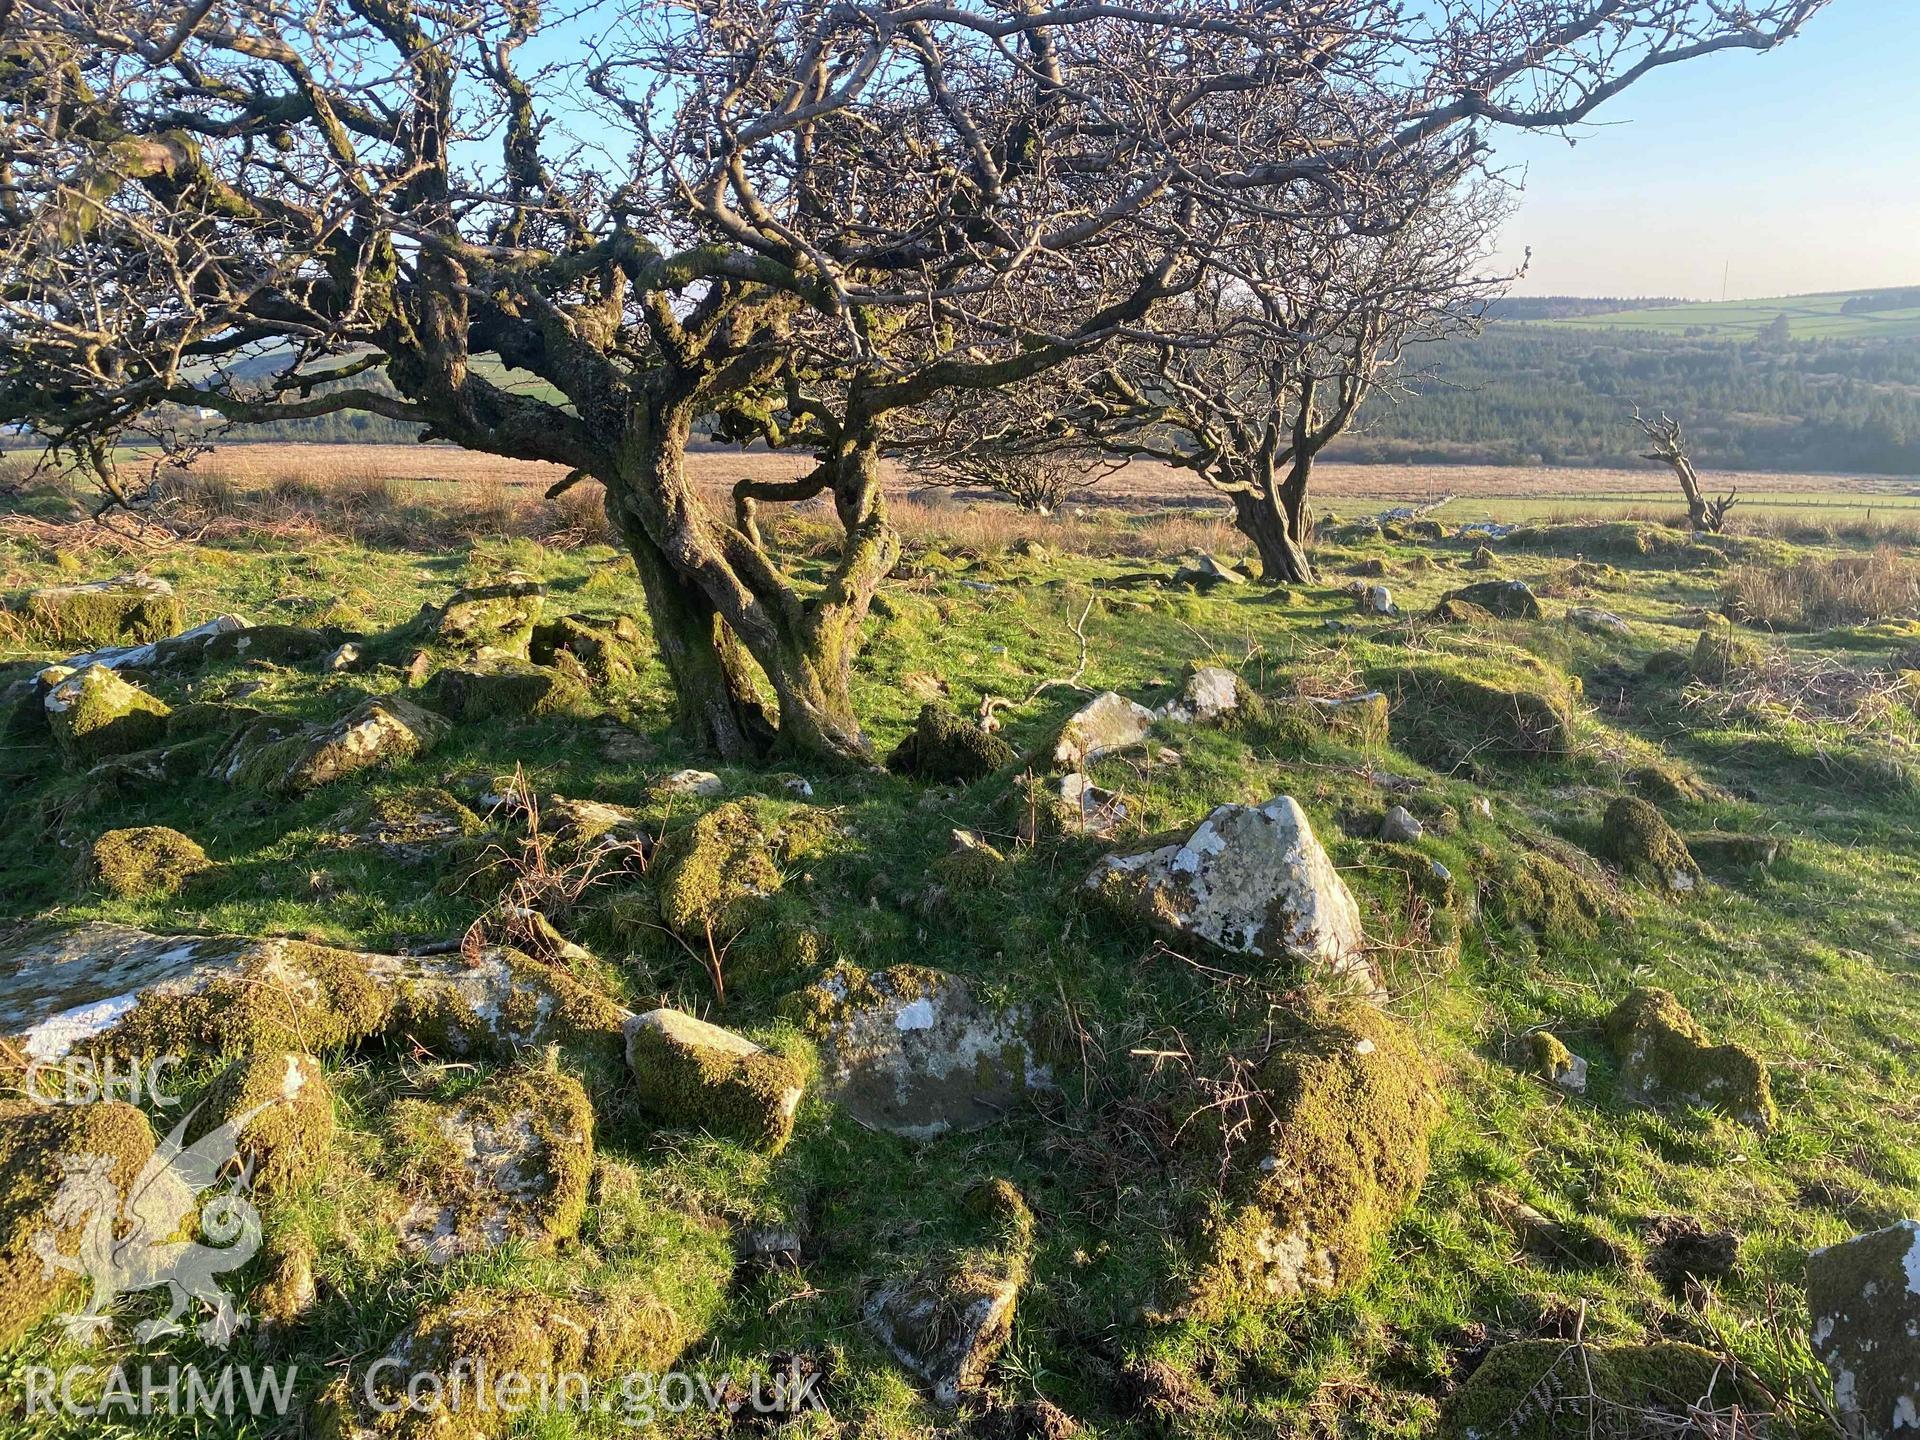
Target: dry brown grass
(1815,594)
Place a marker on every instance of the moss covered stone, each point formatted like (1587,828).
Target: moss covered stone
(511,1161)
(42,1149)
(1501,599)
(949,1320)
(1348,1109)
(1638,839)
(1535,890)
(545,1342)
(280,644)
(503,689)
(95,713)
(1864,1297)
(147,861)
(500,615)
(376,732)
(1666,1058)
(1719,654)
(601,651)
(942,746)
(131,610)
(690,1073)
(1555,1063)
(1732,850)
(1552,1389)
(284,1297)
(715,875)
(283,1107)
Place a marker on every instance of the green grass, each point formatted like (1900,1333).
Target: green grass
(1811,963)
(1809,317)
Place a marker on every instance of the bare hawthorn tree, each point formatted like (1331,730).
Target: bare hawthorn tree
(1036,481)
(1670,449)
(801,217)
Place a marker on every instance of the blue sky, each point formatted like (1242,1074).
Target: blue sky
(1789,172)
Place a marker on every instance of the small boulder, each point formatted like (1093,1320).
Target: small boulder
(1727,850)
(1720,654)
(1400,826)
(1666,1058)
(379,731)
(1554,1389)
(1864,1296)
(1506,599)
(949,1321)
(1361,720)
(1638,839)
(146,861)
(913,1051)
(1379,600)
(503,689)
(1251,880)
(1597,622)
(1556,1064)
(942,746)
(1072,805)
(715,875)
(694,1074)
(510,1162)
(599,650)
(1482,559)
(1210,691)
(701,783)
(40,1147)
(1203,572)
(1105,725)
(343,657)
(186,647)
(95,713)
(128,610)
(501,615)
(1453,611)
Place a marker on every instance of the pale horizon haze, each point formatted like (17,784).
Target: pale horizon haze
(1787,173)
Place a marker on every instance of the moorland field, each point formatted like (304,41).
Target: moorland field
(1760,690)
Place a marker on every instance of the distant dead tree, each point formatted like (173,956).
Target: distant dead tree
(799,218)
(1038,482)
(1670,449)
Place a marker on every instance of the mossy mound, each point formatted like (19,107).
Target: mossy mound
(693,1074)
(942,746)
(1506,599)
(282,644)
(511,1161)
(96,713)
(1638,839)
(146,861)
(1530,888)
(132,610)
(1666,1058)
(548,1343)
(1551,1389)
(1504,705)
(1453,611)
(1349,1106)
(1666,783)
(42,1147)
(715,875)
(287,1293)
(1606,539)
(503,689)
(282,1106)
(604,652)
(1723,850)
(1720,654)
(1287,725)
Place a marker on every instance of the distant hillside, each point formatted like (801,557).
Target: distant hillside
(1562,307)
(1838,315)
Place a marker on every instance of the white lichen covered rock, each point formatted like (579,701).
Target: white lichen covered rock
(690,782)
(1251,880)
(157,654)
(377,732)
(1105,725)
(1864,1297)
(1210,692)
(94,713)
(913,1051)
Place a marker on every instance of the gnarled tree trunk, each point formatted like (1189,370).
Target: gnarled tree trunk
(1273,515)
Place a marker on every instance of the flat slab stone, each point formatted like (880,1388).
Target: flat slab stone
(186,644)
(913,1052)
(1105,725)
(64,988)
